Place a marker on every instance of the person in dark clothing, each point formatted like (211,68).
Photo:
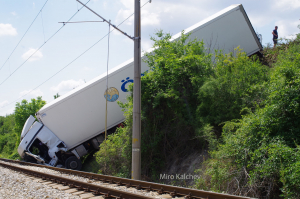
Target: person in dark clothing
(275,36)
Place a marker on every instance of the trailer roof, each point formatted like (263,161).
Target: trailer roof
(217,16)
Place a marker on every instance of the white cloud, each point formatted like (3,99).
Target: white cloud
(31,93)
(7,111)
(162,14)
(284,5)
(287,29)
(150,18)
(7,29)
(116,32)
(146,45)
(36,56)
(14,13)
(291,37)
(260,21)
(3,103)
(123,14)
(127,4)
(66,85)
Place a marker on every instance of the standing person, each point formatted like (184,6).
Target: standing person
(275,36)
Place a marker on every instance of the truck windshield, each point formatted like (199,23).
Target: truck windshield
(40,149)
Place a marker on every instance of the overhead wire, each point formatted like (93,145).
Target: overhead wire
(43,26)
(9,66)
(24,34)
(73,59)
(42,45)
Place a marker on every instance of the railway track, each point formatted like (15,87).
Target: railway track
(171,191)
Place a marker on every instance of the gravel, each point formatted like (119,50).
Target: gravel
(17,183)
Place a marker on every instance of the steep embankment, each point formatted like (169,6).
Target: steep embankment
(244,111)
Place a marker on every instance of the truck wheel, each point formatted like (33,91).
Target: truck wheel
(73,163)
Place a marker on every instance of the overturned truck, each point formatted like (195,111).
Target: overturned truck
(73,125)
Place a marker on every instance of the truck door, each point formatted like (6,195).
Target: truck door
(40,149)
(51,143)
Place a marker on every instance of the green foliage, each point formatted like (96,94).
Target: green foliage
(208,137)
(261,148)
(11,126)
(56,96)
(169,96)
(24,109)
(290,174)
(6,124)
(218,172)
(271,54)
(7,141)
(237,84)
(278,162)
(113,157)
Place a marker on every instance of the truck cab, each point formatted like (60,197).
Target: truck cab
(41,145)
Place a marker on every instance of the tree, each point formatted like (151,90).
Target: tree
(23,110)
(237,84)
(7,137)
(178,69)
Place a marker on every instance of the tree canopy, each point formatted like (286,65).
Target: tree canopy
(11,126)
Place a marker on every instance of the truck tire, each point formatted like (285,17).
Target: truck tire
(73,163)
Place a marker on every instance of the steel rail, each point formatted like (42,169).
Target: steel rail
(138,184)
(96,189)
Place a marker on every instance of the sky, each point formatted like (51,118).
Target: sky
(66,56)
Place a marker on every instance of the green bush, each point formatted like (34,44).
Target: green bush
(11,126)
(261,148)
(114,156)
(7,136)
(237,84)
(169,100)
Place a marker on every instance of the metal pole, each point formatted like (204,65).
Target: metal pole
(106,94)
(136,129)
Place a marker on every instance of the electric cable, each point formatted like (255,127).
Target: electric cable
(24,34)
(41,46)
(72,60)
(43,26)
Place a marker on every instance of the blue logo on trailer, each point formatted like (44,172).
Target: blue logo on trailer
(128,80)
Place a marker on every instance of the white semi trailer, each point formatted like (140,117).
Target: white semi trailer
(73,124)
